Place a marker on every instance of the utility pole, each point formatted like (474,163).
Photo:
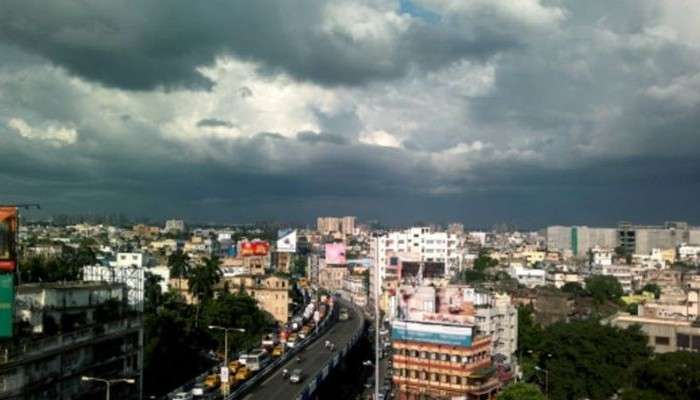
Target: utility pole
(376,319)
(225,385)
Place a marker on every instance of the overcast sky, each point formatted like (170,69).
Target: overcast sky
(482,111)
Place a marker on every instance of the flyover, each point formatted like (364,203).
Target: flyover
(314,359)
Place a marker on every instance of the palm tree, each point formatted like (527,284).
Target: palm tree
(202,280)
(179,265)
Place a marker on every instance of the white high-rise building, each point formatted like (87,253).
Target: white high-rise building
(422,244)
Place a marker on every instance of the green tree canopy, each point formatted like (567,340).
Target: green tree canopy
(666,376)
(586,359)
(653,288)
(521,391)
(179,264)
(573,288)
(604,288)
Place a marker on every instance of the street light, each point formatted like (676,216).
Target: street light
(226,331)
(546,380)
(108,382)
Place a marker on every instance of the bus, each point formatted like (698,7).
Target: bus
(256,360)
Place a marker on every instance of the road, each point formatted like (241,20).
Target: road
(314,358)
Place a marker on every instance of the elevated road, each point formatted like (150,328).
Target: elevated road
(314,358)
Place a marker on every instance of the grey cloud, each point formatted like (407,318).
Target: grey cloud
(141,47)
(313,137)
(214,123)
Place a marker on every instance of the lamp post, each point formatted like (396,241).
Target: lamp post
(107,382)
(376,318)
(546,380)
(226,331)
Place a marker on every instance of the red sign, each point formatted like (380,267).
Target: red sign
(8,229)
(256,248)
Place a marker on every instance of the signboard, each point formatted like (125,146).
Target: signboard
(335,253)
(7,304)
(8,230)
(287,241)
(255,248)
(317,316)
(452,335)
(224,374)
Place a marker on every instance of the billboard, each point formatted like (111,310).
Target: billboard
(451,335)
(8,230)
(287,241)
(335,253)
(7,304)
(254,248)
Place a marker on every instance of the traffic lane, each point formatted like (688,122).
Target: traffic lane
(314,358)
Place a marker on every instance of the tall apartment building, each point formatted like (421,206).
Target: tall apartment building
(174,226)
(580,239)
(344,225)
(421,244)
(640,239)
(74,337)
(439,352)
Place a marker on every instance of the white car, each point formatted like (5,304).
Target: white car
(182,396)
(295,376)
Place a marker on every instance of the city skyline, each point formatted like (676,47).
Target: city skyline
(532,112)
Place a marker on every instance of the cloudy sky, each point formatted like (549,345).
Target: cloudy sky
(481,111)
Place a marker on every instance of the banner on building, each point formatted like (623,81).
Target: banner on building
(287,241)
(8,232)
(335,253)
(453,335)
(7,305)
(254,248)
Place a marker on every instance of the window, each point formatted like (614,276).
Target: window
(683,341)
(662,340)
(696,342)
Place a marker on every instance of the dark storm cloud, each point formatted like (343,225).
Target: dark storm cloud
(143,45)
(214,123)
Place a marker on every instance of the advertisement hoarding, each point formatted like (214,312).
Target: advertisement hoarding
(8,230)
(7,304)
(254,248)
(335,253)
(453,335)
(287,241)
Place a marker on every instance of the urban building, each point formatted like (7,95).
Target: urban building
(343,225)
(665,335)
(74,337)
(174,226)
(439,352)
(529,277)
(271,292)
(579,239)
(640,239)
(332,277)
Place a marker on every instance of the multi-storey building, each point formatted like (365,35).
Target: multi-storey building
(664,335)
(75,338)
(622,273)
(271,292)
(174,226)
(343,225)
(639,239)
(439,351)
(422,244)
(580,239)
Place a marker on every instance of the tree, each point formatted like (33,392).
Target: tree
(573,288)
(666,376)
(604,288)
(653,288)
(484,261)
(586,359)
(201,281)
(521,391)
(152,292)
(179,265)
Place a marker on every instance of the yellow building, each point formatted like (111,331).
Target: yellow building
(271,292)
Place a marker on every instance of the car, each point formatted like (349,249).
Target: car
(182,396)
(296,376)
(199,390)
